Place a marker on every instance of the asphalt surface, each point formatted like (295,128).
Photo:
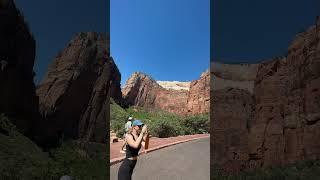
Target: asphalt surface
(186,161)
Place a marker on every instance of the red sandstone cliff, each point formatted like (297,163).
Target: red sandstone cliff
(141,90)
(199,95)
(74,95)
(277,119)
(287,91)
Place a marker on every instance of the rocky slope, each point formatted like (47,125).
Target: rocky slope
(17,55)
(277,119)
(74,95)
(141,90)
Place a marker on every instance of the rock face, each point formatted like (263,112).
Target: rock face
(287,91)
(282,119)
(17,55)
(232,114)
(233,75)
(199,95)
(141,90)
(74,95)
(235,72)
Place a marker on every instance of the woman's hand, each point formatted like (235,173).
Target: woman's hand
(144,129)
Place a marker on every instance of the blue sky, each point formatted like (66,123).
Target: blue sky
(167,39)
(54,24)
(251,30)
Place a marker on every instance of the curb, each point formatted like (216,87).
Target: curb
(117,160)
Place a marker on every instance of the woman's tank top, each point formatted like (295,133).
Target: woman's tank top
(130,151)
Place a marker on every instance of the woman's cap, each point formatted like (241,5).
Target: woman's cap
(130,118)
(137,123)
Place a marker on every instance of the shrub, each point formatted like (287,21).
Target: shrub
(20,158)
(118,117)
(70,160)
(163,128)
(160,123)
(197,124)
(121,132)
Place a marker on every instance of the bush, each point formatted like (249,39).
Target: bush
(118,118)
(197,124)
(70,160)
(160,123)
(163,128)
(165,124)
(20,158)
(121,132)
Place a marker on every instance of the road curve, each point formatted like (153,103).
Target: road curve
(186,161)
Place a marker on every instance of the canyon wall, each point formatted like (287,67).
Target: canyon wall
(278,114)
(18,99)
(142,90)
(74,95)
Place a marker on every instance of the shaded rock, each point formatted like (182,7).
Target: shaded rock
(232,75)
(230,123)
(231,114)
(17,55)
(287,95)
(65,177)
(74,95)
(93,123)
(284,126)
(235,72)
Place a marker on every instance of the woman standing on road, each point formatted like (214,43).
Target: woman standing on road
(135,138)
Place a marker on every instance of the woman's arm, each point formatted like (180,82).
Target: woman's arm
(145,135)
(134,143)
(144,139)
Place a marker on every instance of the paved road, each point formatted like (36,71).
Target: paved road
(186,161)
